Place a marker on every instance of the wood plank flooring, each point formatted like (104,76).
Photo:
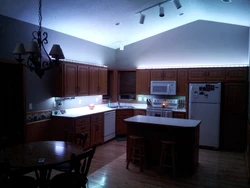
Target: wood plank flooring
(216,170)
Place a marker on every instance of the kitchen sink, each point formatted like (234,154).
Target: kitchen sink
(125,106)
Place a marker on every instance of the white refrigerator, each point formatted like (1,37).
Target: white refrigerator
(204,105)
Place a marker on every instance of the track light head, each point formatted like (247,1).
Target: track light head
(142,18)
(177,4)
(161,11)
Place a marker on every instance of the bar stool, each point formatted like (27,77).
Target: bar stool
(167,155)
(136,151)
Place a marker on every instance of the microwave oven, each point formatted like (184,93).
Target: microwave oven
(163,87)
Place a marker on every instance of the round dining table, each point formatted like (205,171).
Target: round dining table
(27,155)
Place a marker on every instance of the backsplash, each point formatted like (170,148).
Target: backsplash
(37,116)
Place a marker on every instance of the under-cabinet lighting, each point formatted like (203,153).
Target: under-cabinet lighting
(82,62)
(191,66)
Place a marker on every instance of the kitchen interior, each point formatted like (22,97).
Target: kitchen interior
(219,86)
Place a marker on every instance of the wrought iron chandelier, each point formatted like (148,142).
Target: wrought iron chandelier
(36,49)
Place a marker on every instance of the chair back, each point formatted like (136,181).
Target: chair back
(83,161)
(76,138)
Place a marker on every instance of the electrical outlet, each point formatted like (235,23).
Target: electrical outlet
(30,106)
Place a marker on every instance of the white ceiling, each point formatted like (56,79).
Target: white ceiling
(94,20)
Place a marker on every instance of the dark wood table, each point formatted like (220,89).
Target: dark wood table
(27,155)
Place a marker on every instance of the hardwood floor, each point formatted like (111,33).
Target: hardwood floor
(216,170)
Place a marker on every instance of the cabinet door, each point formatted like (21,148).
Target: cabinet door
(182,82)
(121,126)
(142,81)
(237,74)
(70,79)
(197,74)
(83,80)
(102,81)
(234,116)
(139,112)
(170,74)
(96,132)
(157,74)
(181,115)
(97,128)
(93,80)
(215,74)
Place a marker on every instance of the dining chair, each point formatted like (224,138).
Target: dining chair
(8,180)
(77,178)
(76,138)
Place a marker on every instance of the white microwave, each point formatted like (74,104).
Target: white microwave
(163,87)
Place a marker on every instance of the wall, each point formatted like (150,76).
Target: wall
(200,42)
(39,90)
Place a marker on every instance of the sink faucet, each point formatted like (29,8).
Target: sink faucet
(118,102)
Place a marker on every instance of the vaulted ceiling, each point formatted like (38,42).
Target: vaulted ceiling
(113,23)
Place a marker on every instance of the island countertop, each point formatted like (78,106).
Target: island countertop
(163,121)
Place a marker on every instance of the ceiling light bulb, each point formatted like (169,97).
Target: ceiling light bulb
(142,18)
(161,11)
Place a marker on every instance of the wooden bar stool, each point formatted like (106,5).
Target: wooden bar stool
(168,156)
(136,152)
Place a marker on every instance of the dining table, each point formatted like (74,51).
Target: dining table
(41,156)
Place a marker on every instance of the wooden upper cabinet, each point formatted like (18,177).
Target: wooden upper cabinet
(237,73)
(163,74)
(143,81)
(72,80)
(82,80)
(182,82)
(98,80)
(206,74)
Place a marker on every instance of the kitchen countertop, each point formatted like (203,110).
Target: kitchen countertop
(163,121)
(82,111)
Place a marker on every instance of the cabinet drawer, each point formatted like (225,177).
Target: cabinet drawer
(97,117)
(82,128)
(82,120)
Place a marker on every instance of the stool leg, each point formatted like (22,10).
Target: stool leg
(129,153)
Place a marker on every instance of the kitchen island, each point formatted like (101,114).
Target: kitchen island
(184,132)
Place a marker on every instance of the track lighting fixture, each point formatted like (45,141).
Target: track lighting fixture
(177,4)
(161,11)
(142,18)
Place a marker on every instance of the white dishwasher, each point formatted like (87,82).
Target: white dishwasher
(109,125)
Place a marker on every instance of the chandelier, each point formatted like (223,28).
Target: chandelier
(36,49)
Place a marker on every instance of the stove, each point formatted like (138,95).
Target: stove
(161,107)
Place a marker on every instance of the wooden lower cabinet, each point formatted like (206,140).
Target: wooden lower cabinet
(97,128)
(90,124)
(121,126)
(37,131)
(181,115)
(82,125)
(139,112)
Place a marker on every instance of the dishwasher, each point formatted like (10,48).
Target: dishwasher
(109,125)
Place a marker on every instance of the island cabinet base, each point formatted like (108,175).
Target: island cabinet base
(187,145)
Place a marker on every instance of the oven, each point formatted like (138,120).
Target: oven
(161,107)
(159,112)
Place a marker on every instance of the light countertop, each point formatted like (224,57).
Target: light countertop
(163,121)
(82,111)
